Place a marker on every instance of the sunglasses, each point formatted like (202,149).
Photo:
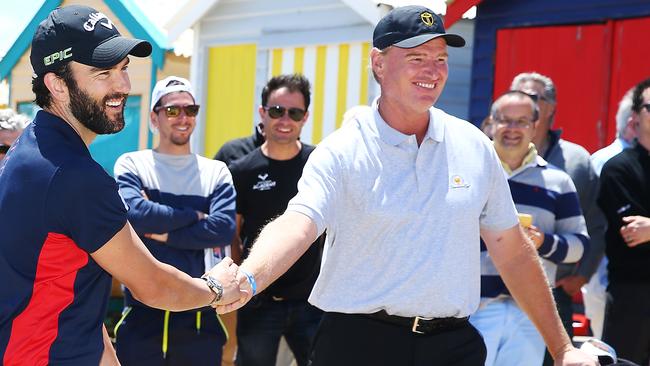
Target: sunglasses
(277,111)
(537,97)
(4,149)
(175,110)
(646,107)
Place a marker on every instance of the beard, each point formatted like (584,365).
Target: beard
(92,114)
(179,141)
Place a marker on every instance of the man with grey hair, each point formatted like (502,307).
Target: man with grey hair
(11,126)
(594,292)
(573,159)
(625,133)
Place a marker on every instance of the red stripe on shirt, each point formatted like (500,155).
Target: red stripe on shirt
(34,330)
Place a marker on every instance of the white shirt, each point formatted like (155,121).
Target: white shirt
(403,220)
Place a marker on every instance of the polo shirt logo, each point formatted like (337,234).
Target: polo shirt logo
(458,182)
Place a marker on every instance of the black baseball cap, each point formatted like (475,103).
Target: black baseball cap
(411,26)
(82,34)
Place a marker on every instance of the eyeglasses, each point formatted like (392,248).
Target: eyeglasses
(277,111)
(175,110)
(537,97)
(4,149)
(646,106)
(519,123)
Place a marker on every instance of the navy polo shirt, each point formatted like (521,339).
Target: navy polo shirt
(57,205)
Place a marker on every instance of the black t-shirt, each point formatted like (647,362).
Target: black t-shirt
(264,187)
(237,148)
(625,191)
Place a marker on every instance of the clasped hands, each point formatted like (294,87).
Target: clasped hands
(636,230)
(237,288)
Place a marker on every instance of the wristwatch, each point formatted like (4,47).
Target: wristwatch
(215,286)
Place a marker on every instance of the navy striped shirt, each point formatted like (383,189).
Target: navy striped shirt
(549,195)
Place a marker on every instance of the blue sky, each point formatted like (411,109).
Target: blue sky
(14,17)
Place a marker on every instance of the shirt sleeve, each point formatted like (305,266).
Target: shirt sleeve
(85,205)
(218,227)
(499,210)
(318,187)
(569,242)
(617,195)
(147,216)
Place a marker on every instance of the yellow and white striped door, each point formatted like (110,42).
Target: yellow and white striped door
(338,74)
(339,77)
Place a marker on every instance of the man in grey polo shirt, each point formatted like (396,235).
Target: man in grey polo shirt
(404,190)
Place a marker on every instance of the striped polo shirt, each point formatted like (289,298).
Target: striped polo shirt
(548,194)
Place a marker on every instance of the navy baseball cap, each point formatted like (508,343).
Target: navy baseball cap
(411,26)
(82,34)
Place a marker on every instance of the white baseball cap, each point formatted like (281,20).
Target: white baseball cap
(163,88)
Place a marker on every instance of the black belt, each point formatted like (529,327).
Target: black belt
(420,324)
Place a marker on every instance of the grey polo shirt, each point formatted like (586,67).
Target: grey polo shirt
(403,221)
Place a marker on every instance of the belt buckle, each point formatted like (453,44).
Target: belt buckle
(416,323)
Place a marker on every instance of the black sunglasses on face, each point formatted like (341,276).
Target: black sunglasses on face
(175,110)
(4,149)
(537,97)
(277,111)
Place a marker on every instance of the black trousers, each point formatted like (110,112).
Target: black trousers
(353,340)
(627,321)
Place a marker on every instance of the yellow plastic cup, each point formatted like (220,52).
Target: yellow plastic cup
(525,219)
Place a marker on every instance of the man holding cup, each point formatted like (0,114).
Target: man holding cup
(550,213)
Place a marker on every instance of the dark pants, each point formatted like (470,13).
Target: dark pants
(353,340)
(627,321)
(189,341)
(564,304)
(262,322)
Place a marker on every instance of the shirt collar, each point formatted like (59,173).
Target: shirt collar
(391,136)
(554,138)
(640,148)
(624,143)
(531,159)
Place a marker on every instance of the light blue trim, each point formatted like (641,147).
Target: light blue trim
(24,40)
(9,94)
(126,11)
(141,27)
(154,80)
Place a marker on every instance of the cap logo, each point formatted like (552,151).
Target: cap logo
(57,56)
(427,19)
(94,19)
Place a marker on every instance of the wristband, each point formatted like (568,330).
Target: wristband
(251,280)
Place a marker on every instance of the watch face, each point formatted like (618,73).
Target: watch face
(215,286)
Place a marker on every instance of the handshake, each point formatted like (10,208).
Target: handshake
(233,287)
